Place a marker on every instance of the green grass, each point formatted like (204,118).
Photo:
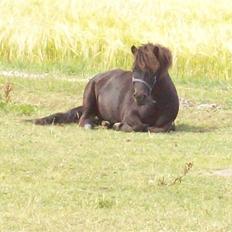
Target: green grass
(64,178)
(91,36)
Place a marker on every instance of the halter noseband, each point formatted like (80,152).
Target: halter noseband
(150,87)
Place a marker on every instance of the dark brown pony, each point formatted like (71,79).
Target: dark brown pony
(144,99)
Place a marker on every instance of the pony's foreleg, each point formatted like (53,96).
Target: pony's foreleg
(131,122)
(120,126)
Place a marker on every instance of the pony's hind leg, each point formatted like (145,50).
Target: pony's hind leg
(89,106)
(87,122)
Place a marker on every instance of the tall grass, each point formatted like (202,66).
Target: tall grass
(97,35)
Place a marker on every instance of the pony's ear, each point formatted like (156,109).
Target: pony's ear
(133,49)
(163,55)
(156,51)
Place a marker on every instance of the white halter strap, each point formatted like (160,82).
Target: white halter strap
(144,82)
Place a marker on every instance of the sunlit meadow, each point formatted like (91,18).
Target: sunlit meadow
(79,36)
(64,178)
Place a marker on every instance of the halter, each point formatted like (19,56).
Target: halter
(150,87)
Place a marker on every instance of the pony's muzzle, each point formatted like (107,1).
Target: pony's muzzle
(140,98)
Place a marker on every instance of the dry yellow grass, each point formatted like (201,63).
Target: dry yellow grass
(98,34)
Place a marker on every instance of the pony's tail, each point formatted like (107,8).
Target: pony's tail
(71,116)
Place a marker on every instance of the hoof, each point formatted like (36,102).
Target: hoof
(88,126)
(105,124)
(117,126)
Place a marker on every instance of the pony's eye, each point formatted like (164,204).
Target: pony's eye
(136,69)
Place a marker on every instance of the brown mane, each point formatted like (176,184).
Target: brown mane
(152,57)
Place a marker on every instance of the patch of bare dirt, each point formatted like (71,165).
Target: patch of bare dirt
(185,103)
(208,106)
(227,172)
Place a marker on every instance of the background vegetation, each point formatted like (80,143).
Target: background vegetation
(89,36)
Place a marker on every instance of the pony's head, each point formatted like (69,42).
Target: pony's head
(151,61)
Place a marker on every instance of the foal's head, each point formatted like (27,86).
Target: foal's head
(150,61)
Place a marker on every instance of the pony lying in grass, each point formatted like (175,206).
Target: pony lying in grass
(144,99)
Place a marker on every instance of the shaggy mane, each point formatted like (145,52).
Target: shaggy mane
(152,57)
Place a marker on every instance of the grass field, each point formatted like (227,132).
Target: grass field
(63,178)
(90,36)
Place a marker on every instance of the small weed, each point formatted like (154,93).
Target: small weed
(7,105)
(7,89)
(187,167)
